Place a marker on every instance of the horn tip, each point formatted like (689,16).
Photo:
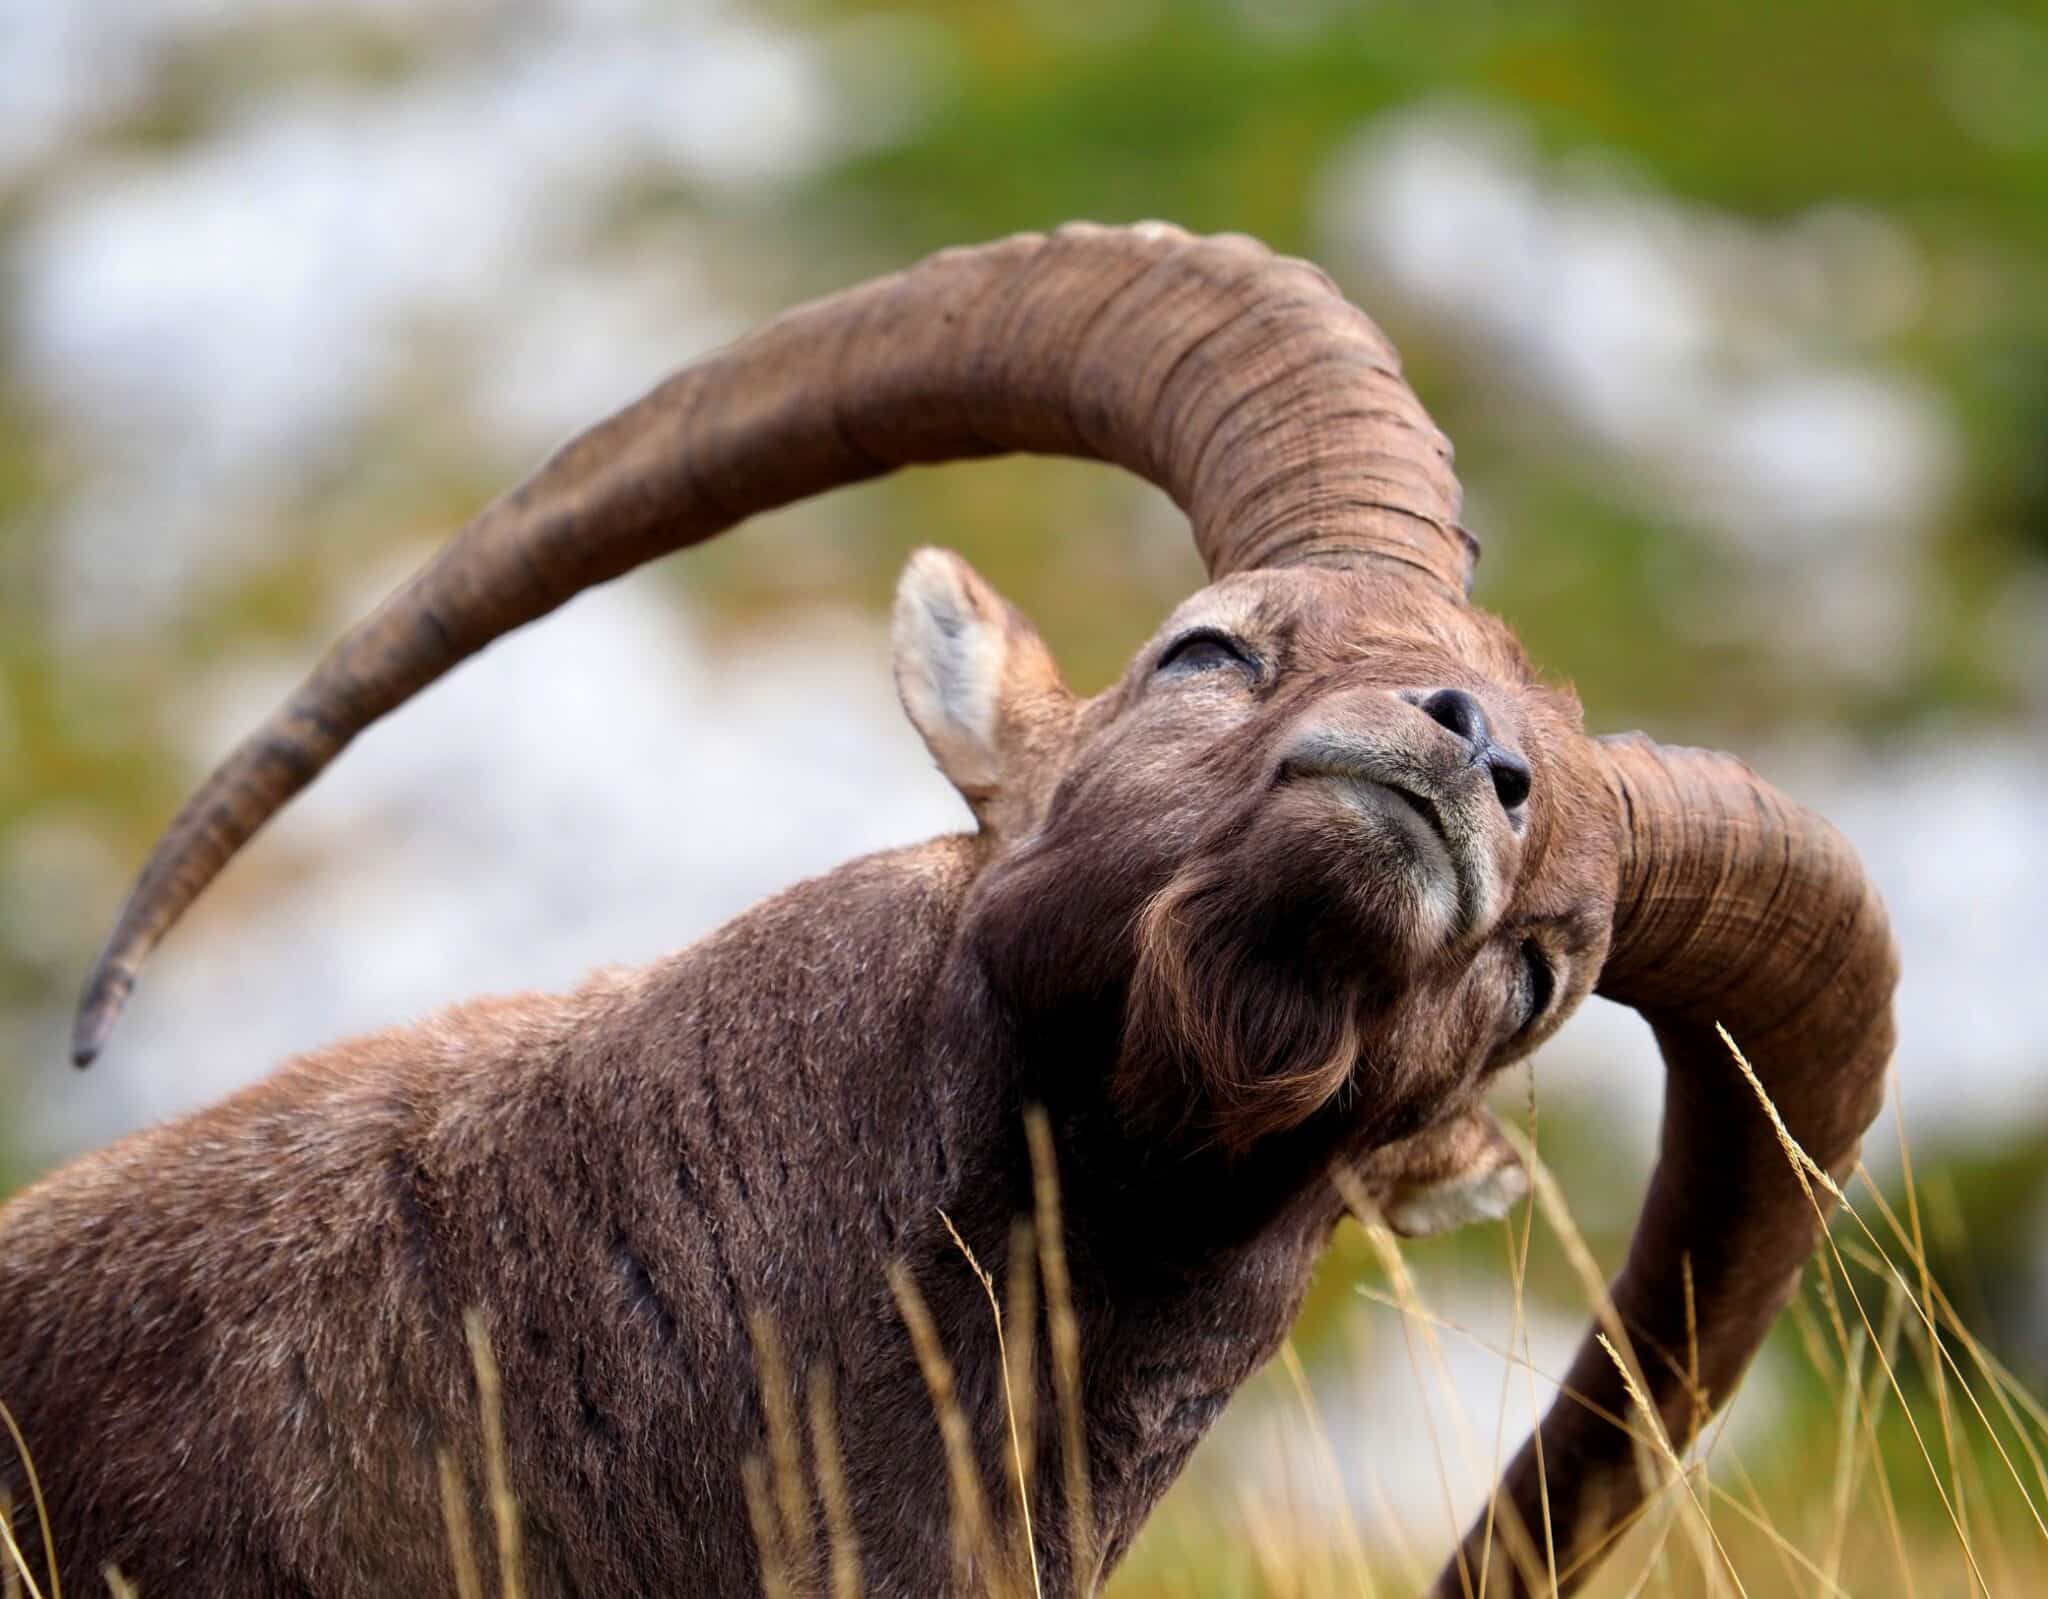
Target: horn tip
(106,993)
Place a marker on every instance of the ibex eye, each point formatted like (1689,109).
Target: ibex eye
(1539,981)
(1204,650)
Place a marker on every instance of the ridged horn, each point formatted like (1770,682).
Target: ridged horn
(1239,382)
(1740,908)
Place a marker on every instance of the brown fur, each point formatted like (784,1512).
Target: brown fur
(235,1342)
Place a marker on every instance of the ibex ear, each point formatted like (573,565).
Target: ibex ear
(980,685)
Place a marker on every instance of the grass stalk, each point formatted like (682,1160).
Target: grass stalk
(1064,1330)
(497,1479)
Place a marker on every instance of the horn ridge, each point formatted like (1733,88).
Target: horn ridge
(1239,382)
(1736,908)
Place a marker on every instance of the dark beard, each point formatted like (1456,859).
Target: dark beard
(1237,1025)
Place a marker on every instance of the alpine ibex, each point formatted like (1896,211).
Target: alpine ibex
(1277,904)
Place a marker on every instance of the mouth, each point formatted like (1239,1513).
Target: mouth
(1380,795)
(1414,813)
(1419,804)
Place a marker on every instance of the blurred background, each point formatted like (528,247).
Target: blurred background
(1738,315)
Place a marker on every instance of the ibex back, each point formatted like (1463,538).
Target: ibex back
(1268,913)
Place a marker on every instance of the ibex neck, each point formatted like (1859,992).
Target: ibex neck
(857,1100)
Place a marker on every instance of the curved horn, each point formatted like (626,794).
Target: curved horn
(1239,382)
(1740,908)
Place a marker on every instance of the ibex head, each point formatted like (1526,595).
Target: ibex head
(1329,849)
(1327,840)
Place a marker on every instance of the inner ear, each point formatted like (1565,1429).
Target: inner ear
(979,685)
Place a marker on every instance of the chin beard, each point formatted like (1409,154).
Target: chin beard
(1240,1023)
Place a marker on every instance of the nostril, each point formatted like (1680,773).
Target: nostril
(1511,777)
(1461,713)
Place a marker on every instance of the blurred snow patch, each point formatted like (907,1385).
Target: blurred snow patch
(1725,366)
(69,68)
(214,324)
(601,790)
(1948,826)
(1416,1413)
(64,66)
(586,336)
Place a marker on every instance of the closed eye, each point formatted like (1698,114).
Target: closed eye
(1539,983)
(1206,649)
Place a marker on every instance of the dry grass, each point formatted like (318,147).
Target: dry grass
(1932,1480)
(1929,1478)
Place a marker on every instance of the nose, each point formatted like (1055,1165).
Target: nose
(1463,715)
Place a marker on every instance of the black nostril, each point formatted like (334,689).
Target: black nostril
(1464,715)
(1461,713)
(1510,775)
